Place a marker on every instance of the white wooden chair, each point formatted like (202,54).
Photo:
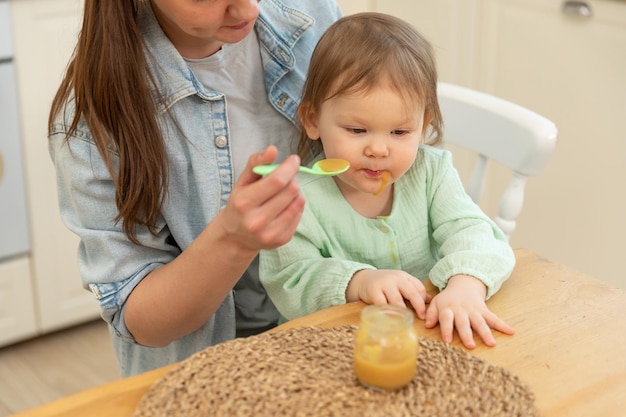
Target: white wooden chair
(496,129)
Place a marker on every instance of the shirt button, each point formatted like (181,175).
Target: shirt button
(384,229)
(282,100)
(221,141)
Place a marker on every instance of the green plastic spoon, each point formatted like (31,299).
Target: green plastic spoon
(331,166)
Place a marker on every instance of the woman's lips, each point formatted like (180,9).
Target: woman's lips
(239,26)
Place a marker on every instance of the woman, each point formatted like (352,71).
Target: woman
(165,107)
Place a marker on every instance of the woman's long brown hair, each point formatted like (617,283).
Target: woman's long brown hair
(110,83)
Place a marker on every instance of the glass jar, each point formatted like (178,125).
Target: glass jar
(385,350)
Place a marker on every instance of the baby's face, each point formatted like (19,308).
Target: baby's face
(377,131)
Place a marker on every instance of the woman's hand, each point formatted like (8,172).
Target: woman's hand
(462,305)
(263,213)
(388,286)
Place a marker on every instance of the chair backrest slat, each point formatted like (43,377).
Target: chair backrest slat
(499,130)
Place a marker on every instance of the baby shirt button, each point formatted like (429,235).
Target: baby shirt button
(221,141)
(384,229)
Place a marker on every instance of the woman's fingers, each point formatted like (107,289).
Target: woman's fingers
(264,212)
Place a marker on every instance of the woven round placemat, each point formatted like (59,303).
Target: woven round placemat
(308,372)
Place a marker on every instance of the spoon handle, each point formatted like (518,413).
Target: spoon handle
(264,169)
(267,169)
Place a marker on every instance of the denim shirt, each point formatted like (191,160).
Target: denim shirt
(195,130)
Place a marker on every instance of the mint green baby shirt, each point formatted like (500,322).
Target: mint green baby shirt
(434,231)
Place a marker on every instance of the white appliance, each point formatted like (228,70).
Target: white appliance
(14,239)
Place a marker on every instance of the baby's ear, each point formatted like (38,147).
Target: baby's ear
(308,119)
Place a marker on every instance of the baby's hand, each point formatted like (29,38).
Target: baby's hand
(462,305)
(388,286)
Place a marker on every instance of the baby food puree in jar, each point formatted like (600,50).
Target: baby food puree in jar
(385,350)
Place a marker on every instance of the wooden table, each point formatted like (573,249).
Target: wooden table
(569,346)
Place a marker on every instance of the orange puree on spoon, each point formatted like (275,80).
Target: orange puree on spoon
(385,180)
(333,164)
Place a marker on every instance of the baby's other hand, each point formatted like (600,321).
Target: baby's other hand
(388,286)
(461,305)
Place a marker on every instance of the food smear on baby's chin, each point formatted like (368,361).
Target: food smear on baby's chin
(384,178)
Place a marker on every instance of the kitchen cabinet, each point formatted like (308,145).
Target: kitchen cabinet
(572,69)
(450,26)
(44,37)
(17,302)
(17,319)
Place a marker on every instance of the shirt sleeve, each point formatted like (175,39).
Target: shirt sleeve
(467,240)
(303,276)
(110,264)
